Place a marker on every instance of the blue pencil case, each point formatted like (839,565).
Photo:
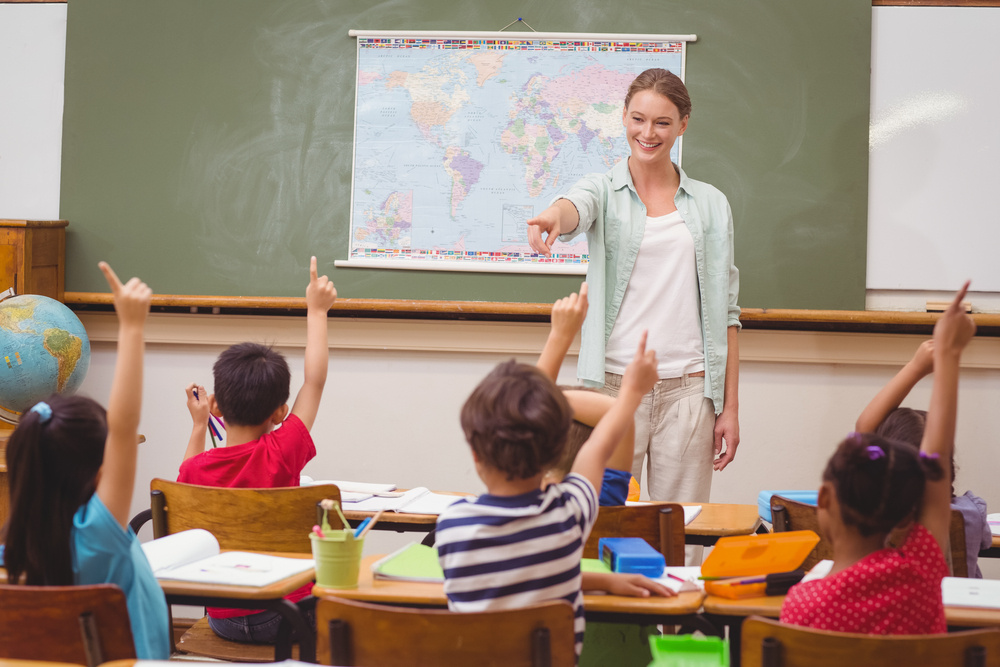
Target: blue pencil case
(632,555)
(764,500)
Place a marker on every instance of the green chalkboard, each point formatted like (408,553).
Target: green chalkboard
(180,165)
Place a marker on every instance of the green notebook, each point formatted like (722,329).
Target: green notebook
(414,562)
(593,565)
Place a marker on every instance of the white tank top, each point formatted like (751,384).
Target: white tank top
(662,296)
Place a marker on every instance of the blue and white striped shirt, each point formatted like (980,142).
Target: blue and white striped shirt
(506,552)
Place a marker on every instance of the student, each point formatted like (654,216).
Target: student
(517,544)
(884,417)
(72,472)
(589,407)
(251,394)
(872,485)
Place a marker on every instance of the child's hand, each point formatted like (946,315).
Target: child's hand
(320,294)
(569,312)
(637,586)
(641,374)
(955,328)
(923,359)
(197,402)
(131,299)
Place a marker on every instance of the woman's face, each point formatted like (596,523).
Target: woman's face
(652,125)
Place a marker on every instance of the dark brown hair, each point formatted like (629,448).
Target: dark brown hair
(52,466)
(907,425)
(251,382)
(879,482)
(516,420)
(663,82)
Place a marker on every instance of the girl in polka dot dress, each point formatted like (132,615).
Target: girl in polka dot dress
(872,485)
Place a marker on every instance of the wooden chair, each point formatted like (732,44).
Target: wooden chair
(788,514)
(247,519)
(768,643)
(357,633)
(85,625)
(662,525)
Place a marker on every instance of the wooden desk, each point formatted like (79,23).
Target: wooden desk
(610,608)
(715,520)
(721,520)
(270,597)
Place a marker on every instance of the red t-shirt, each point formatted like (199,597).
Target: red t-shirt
(888,592)
(275,459)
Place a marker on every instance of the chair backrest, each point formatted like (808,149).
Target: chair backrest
(85,625)
(768,643)
(662,525)
(252,519)
(788,514)
(356,633)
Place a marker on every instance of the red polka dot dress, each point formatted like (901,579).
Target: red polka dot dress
(888,592)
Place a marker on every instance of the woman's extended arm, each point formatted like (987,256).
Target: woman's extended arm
(560,218)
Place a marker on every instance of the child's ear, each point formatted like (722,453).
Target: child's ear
(279,415)
(213,407)
(823,501)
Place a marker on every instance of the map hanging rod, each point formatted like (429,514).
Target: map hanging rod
(462,34)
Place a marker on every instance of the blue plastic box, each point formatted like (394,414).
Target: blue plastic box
(764,500)
(632,555)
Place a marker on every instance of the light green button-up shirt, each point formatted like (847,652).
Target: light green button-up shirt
(614,219)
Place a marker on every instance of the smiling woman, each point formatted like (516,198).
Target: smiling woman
(661,260)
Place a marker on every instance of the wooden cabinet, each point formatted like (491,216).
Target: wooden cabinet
(32,256)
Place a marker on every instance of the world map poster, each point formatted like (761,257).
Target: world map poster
(459,142)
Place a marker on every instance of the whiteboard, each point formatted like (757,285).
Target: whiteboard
(934,168)
(32,64)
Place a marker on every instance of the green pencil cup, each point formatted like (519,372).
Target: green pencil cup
(338,558)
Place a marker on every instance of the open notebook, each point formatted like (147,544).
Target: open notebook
(415,501)
(194,555)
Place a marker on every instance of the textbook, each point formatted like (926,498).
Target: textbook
(415,501)
(194,555)
(414,562)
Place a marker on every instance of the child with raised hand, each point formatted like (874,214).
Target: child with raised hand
(72,472)
(872,485)
(518,544)
(589,407)
(251,394)
(884,416)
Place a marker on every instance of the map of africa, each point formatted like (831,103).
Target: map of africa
(458,142)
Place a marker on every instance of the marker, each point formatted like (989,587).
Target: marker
(319,532)
(758,580)
(676,578)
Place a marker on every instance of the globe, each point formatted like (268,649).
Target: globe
(44,350)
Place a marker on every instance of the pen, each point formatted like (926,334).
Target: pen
(211,431)
(361,527)
(758,580)
(676,578)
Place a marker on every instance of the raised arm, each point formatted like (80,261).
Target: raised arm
(589,407)
(560,218)
(320,296)
(124,405)
(567,317)
(897,389)
(640,376)
(952,333)
(197,403)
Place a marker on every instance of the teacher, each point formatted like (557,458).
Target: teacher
(661,259)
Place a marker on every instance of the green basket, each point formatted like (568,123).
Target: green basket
(688,651)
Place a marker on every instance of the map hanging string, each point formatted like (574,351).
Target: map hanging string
(519,20)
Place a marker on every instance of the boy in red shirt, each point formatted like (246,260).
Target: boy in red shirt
(251,394)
